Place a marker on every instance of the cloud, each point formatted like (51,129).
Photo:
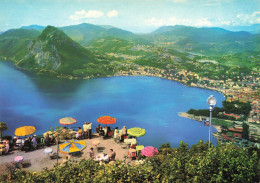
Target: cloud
(246,19)
(176,21)
(79,15)
(180,1)
(112,13)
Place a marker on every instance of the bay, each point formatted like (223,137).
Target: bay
(137,101)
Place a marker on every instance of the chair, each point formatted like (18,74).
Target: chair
(110,134)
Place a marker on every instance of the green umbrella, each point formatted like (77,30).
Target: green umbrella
(136,132)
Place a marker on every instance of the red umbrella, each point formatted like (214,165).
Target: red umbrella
(108,120)
(149,151)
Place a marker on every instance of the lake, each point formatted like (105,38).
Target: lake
(137,101)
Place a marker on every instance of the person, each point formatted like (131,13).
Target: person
(132,153)
(105,131)
(64,130)
(47,139)
(34,142)
(67,158)
(112,155)
(79,133)
(85,130)
(89,130)
(124,133)
(2,148)
(98,129)
(102,162)
(7,146)
(117,135)
(91,153)
(27,144)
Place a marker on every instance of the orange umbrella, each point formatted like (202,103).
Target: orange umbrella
(106,120)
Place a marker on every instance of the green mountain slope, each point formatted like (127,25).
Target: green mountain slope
(14,42)
(85,33)
(208,41)
(54,50)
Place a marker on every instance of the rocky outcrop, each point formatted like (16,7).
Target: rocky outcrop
(44,54)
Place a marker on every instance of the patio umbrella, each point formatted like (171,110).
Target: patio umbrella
(136,132)
(108,120)
(24,130)
(149,151)
(72,146)
(67,121)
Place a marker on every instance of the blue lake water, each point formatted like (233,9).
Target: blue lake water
(148,102)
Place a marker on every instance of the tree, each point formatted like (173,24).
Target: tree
(245,133)
(2,128)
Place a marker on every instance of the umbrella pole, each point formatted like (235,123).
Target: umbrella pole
(57,151)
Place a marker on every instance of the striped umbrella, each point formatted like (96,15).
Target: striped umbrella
(108,120)
(136,131)
(67,121)
(72,146)
(149,151)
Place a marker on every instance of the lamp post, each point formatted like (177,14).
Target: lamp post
(211,101)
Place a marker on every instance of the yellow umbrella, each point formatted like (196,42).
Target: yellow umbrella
(25,130)
(137,132)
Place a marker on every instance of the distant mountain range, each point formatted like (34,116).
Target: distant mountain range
(70,50)
(209,41)
(254,29)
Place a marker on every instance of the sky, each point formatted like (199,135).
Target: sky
(139,16)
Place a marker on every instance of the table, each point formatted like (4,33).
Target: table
(48,150)
(18,159)
(100,157)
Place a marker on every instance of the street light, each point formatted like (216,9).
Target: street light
(211,101)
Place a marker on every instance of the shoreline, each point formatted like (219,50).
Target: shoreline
(186,115)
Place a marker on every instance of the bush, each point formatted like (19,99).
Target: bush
(224,163)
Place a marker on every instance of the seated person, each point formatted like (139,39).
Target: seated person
(117,135)
(100,131)
(34,142)
(67,158)
(112,155)
(79,133)
(105,130)
(47,139)
(27,144)
(130,140)
(132,153)
(2,148)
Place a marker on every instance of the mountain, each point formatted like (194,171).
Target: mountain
(254,29)
(85,33)
(53,50)
(20,34)
(14,42)
(35,27)
(208,41)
